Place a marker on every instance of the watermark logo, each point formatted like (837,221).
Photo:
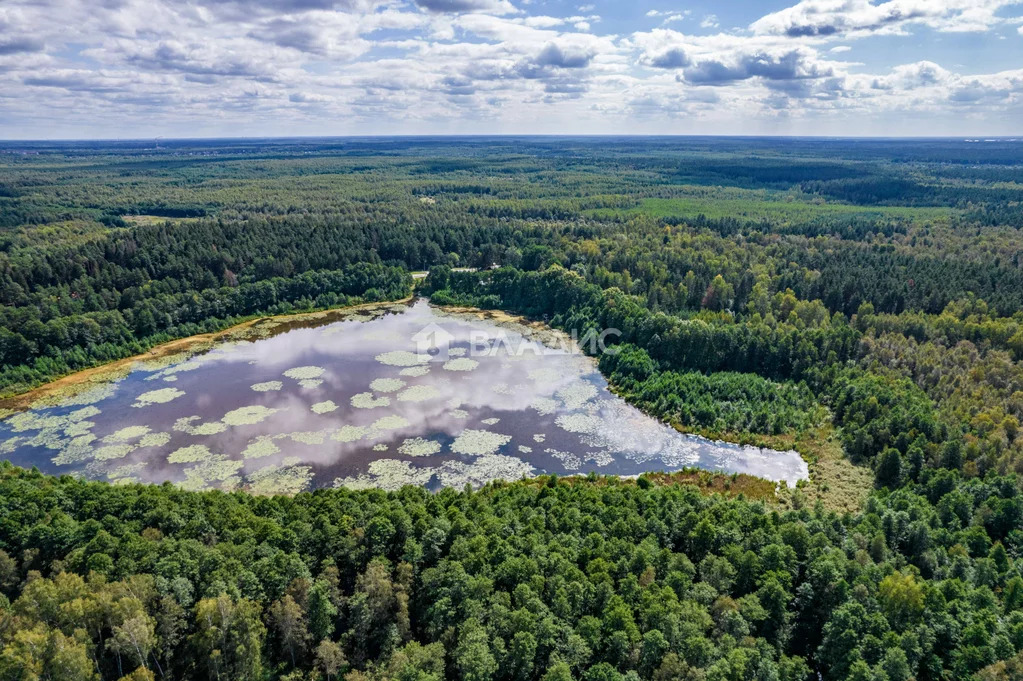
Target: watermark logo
(436,342)
(433,340)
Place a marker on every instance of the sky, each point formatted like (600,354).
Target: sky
(118,69)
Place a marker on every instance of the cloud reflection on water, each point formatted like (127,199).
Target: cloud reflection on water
(539,392)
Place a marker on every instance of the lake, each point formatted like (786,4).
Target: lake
(373,397)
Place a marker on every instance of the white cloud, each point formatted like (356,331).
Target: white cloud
(333,66)
(459,6)
(826,18)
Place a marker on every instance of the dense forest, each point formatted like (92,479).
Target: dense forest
(861,294)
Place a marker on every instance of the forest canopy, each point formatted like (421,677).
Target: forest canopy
(861,300)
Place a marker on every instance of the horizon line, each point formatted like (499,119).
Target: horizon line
(164,139)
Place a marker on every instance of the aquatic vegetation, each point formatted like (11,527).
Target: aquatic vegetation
(324,407)
(305,373)
(579,422)
(211,428)
(216,468)
(79,428)
(482,470)
(79,449)
(284,479)
(544,406)
(219,467)
(600,459)
(184,425)
(161,396)
(367,401)
(418,393)
(127,433)
(112,452)
(582,365)
(349,433)
(127,470)
(48,439)
(190,454)
(156,364)
(417,446)
(194,483)
(390,423)
(259,447)
(183,367)
(461,364)
(402,358)
(154,440)
(606,432)
(478,442)
(225,348)
(568,460)
(545,375)
(388,474)
(267,386)
(76,394)
(576,394)
(28,420)
(247,416)
(387,385)
(10,444)
(79,415)
(306,437)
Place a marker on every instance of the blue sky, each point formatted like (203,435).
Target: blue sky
(173,68)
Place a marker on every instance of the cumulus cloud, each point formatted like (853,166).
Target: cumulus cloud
(363,66)
(795,64)
(455,6)
(672,58)
(309,98)
(913,76)
(569,57)
(18,44)
(839,17)
(205,60)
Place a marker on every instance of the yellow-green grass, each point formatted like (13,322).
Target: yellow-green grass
(762,206)
(154,219)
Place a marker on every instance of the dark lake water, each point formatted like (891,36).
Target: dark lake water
(400,394)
